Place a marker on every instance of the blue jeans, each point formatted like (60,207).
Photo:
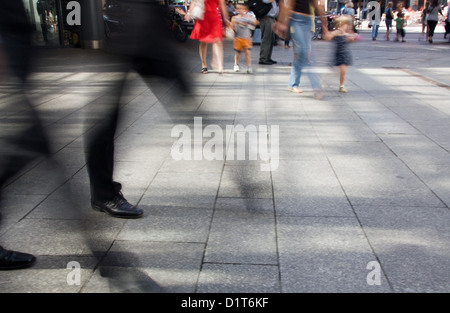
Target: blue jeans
(375,31)
(300,34)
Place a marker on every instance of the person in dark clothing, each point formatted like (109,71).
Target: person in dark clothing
(267,35)
(22,140)
(41,7)
(433,18)
(133,49)
(389,17)
(144,29)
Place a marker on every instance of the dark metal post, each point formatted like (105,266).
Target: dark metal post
(92,24)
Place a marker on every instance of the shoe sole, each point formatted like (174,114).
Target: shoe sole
(100,209)
(18,267)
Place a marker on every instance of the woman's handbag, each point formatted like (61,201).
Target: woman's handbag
(198,11)
(229,33)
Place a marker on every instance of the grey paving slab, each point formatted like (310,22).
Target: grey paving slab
(57,109)
(361,149)
(71,159)
(436,130)
(331,111)
(387,123)
(171,224)
(135,266)
(250,118)
(374,181)
(298,145)
(344,131)
(436,176)
(325,255)
(308,188)
(192,166)
(248,205)
(417,150)
(50,274)
(415,111)
(287,115)
(70,201)
(135,177)
(42,179)
(183,189)
(245,182)
(406,238)
(62,237)
(15,207)
(248,103)
(143,149)
(242,232)
(238,278)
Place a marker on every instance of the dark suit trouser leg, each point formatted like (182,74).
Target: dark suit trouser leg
(267,39)
(22,137)
(25,144)
(100,147)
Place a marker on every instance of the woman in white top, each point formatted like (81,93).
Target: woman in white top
(432,18)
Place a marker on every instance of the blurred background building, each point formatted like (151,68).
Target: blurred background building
(49,18)
(52,28)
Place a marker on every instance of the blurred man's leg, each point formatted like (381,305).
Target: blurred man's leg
(22,138)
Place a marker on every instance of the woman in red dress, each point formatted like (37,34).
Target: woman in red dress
(209,30)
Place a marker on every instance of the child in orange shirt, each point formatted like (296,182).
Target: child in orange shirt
(242,24)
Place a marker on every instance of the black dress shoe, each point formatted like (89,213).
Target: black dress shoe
(265,62)
(117,207)
(12,260)
(273,61)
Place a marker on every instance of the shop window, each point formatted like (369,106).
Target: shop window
(44,18)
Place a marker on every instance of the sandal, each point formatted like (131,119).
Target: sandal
(205,70)
(342,89)
(295,90)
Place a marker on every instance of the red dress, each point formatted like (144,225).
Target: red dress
(211,27)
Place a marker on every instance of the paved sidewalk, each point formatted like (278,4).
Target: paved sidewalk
(357,199)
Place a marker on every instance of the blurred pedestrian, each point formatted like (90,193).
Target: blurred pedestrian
(22,139)
(433,17)
(295,17)
(243,23)
(349,10)
(424,21)
(209,30)
(286,43)
(287,40)
(134,49)
(388,18)
(400,26)
(231,9)
(42,10)
(144,46)
(342,56)
(447,24)
(267,35)
(375,20)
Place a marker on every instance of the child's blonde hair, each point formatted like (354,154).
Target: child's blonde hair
(341,20)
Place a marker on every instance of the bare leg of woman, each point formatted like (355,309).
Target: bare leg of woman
(203,48)
(217,61)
